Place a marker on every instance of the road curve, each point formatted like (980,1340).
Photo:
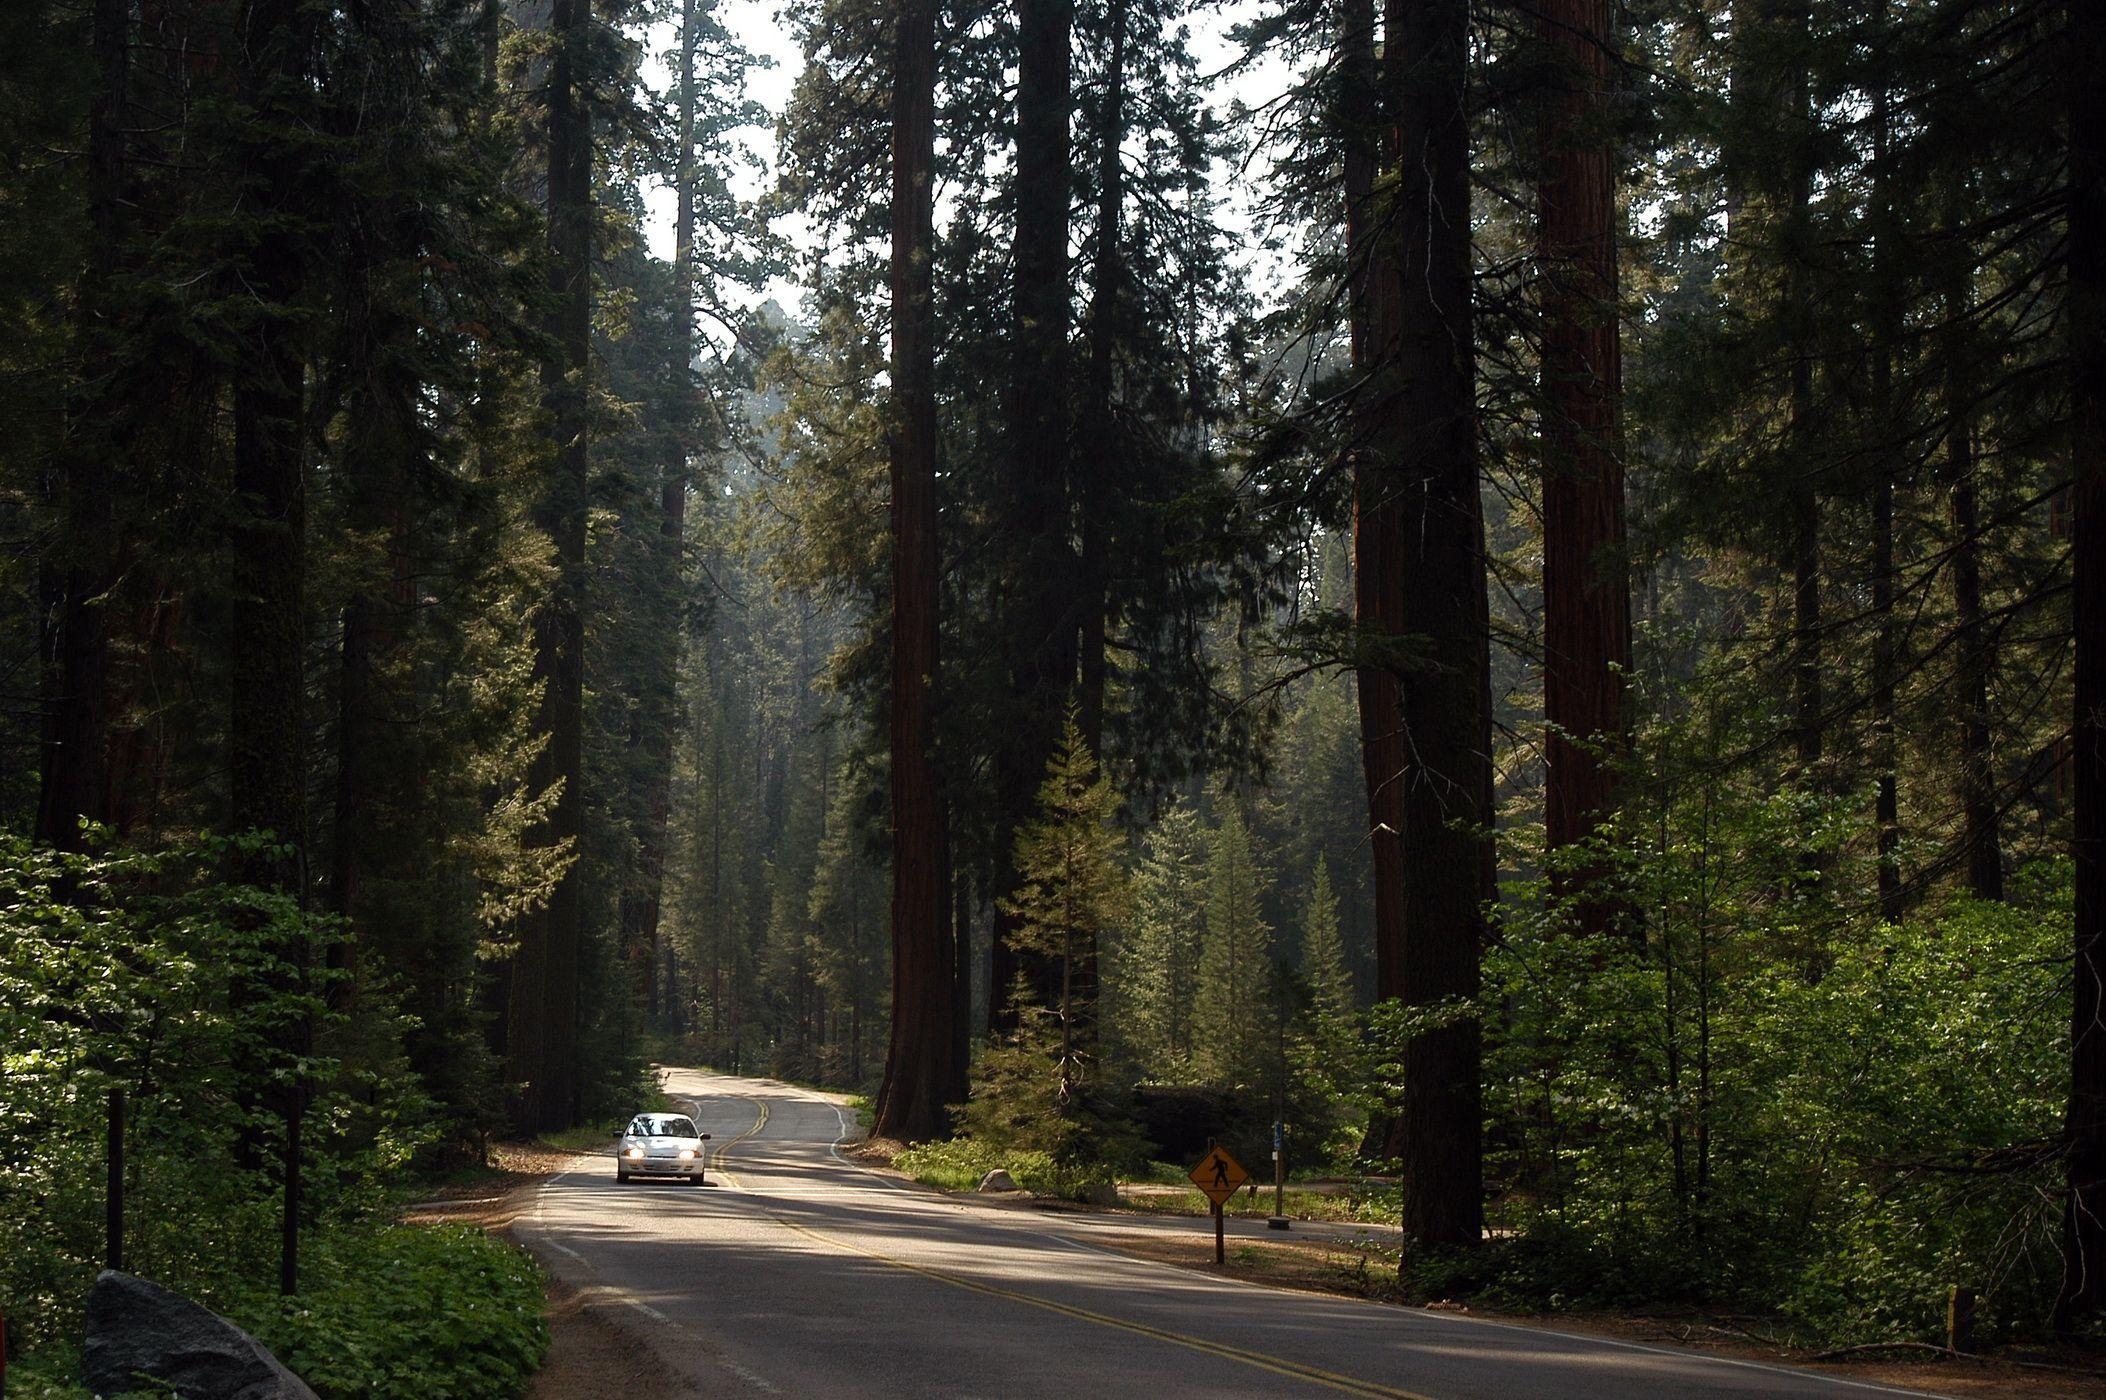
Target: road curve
(795,1272)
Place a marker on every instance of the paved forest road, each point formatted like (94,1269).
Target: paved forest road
(796,1273)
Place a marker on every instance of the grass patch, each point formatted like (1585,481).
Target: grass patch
(958,1165)
(1301,1203)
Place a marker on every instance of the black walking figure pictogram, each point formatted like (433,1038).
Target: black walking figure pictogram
(1221,1181)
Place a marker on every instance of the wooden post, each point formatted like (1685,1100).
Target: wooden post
(1959,1318)
(113,1188)
(1220,1250)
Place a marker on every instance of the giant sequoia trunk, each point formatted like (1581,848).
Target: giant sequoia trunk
(1427,458)
(1586,577)
(2084,1250)
(923,1076)
(1038,612)
(542,1029)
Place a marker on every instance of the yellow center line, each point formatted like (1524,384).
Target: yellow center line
(1278,1366)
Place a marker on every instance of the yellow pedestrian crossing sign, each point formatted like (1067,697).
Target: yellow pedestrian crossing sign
(1220,1176)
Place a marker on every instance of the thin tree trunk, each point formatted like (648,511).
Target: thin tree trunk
(2083,1291)
(1097,463)
(1886,319)
(1377,572)
(1430,448)
(544,1007)
(1983,834)
(921,1080)
(1808,702)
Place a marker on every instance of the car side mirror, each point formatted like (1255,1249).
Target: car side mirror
(705,1137)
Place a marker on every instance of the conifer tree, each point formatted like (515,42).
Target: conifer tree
(1072,894)
(1232,1010)
(1157,967)
(1323,963)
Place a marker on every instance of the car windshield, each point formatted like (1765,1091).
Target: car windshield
(662,1127)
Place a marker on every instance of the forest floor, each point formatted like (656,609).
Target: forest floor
(593,1351)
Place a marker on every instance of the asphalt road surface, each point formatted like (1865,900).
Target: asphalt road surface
(796,1272)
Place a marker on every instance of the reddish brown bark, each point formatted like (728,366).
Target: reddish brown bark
(922,1074)
(1039,610)
(1586,577)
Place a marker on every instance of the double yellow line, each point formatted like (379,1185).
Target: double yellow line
(760,1120)
(1279,1366)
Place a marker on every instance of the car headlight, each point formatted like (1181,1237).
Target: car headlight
(687,1154)
(634,1152)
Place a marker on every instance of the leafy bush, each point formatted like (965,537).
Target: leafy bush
(409,1313)
(151,974)
(1762,1103)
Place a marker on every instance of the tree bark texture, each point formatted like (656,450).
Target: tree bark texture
(1039,613)
(1586,576)
(1428,457)
(541,1042)
(922,1078)
(2083,1291)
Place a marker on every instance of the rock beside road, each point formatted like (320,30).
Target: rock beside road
(141,1330)
(998,1180)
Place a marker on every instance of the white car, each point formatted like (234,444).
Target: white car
(660,1144)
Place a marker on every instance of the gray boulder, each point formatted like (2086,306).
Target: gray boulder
(998,1180)
(138,1329)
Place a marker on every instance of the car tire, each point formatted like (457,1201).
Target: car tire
(621,1175)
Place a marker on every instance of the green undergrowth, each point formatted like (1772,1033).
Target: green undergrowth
(959,1164)
(400,1312)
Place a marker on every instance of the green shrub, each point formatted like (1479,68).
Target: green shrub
(410,1313)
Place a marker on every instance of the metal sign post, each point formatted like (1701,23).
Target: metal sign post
(1278,1219)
